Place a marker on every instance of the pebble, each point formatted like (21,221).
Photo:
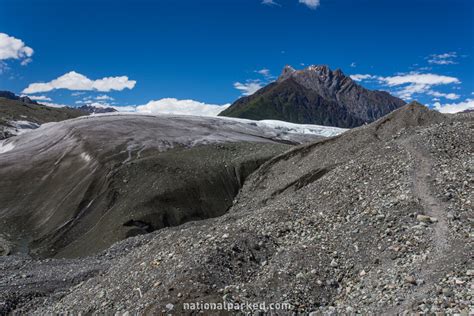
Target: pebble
(426,219)
(410,279)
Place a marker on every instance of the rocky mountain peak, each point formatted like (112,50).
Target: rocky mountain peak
(314,76)
(316,95)
(12,96)
(286,73)
(96,109)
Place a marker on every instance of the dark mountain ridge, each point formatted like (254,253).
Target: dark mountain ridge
(315,95)
(16,111)
(95,109)
(12,96)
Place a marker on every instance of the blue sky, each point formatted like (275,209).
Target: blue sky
(215,51)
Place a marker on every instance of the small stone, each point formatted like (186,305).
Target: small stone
(362,273)
(101,294)
(225,236)
(447,292)
(410,279)
(333,263)
(426,219)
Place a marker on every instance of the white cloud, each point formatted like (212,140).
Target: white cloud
(175,106)
(449,96)
(443,59)
(468,104)
(249,87)
(3,67)
(408,84)
(14,48)
(26,61)
(362,77)
(353,64)
(418,78)
(39,98)
(76,81)
(264,72)
(312,4)
(54,105)
(104,97)
(270,2)
(416,83)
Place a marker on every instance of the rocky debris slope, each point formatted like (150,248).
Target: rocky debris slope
(315,95)
(74,188)
(376,220)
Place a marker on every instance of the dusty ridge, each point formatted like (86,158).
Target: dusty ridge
(351,239)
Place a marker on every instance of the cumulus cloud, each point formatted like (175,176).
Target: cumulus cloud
(443,59)
(76,81)
(14,48)
(104,97)
(362,77)
(312,4)
(419,78)
(249,87)
(39,98)
(408,84)
(449,96)
(416,83)
(186,107)
(468,104)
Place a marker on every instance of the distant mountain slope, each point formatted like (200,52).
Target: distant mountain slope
(18,111)
(315,95)
(11,96)
(95,109)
